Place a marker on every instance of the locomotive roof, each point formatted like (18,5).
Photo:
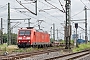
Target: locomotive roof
(27,28)
(40,30)
(30,28)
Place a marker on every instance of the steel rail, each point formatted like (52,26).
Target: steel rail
(71,56)
(29,54)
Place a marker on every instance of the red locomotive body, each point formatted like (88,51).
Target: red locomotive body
(31,37)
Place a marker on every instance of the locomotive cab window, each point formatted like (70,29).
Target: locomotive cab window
(24,32)
(21,32)
(27,32)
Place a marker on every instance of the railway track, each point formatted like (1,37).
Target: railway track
(29,54)
(71,56)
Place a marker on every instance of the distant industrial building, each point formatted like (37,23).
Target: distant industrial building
(74,36)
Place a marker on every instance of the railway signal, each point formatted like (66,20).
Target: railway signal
(76,26)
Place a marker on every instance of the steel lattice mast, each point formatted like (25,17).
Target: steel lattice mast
(68,24)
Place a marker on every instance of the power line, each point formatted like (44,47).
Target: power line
(27,8)
(77,13)
(24,14)
(49,6)
(55,7)
(61,5)
(34,17)
(83,3)
(27,15)
(18,11)
(49,14)
(45,11)
(3,6)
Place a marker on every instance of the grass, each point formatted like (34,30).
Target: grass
(82,47)
(14,49)
(24,50)
(3,48)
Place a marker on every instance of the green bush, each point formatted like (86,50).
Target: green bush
(82,47)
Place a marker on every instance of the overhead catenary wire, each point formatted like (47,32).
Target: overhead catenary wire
(26,14)
(49,6)
(33,17)
(77,13)
(18,11)
(26,8)
(61,5)
(52,16)
(47,13)
(3,6)
(56,7)
(84,3)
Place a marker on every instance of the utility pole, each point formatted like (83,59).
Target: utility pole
(85,8)
(51,32)
(57,33)
(67,28)
(36,7)
(29,22)
(80,35)
(89,33)
(74,42)
(39,23)
(54,31)
(9,31)
(76,38)
(1,41)
(76,26)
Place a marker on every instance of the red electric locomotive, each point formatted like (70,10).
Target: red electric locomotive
(31,37)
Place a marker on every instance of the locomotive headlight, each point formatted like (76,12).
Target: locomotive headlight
(28,41)
(28,38)
(19,41)
(20,38)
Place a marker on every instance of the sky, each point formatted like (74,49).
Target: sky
(48,16)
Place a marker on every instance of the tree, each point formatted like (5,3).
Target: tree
(13,38)
(4,38)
